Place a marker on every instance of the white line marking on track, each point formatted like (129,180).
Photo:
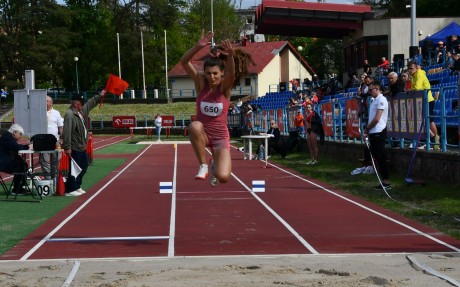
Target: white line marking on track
(120,238)
(123,139)
(276,215)
(57,228)
(371,210)
(172,225)
(72,274)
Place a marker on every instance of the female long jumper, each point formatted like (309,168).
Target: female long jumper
(214,92)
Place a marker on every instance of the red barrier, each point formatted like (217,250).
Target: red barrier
(90,148)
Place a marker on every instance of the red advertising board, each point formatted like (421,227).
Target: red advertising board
(352,118)
(326,109)
(123,121)
(167,121)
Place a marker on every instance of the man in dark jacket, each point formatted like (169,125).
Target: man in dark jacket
(10,161)
(397,85)
(75,138)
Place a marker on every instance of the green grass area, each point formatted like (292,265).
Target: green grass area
(19,218)
(120,148)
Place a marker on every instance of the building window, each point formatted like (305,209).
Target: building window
(247,81)
(376,49)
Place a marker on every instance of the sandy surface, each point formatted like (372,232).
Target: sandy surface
(295,270)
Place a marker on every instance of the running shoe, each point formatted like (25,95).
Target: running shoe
(81,190)
(202,172)
(309,162)
(314,162)
(381,186)
(212,179)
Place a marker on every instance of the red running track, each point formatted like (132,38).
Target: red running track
(126,216)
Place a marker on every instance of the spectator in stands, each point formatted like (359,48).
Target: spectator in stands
(406,77)
(292,102)
(440,52)
(233,109)
(221,69)
(10,161)
(376,130)
(419,83)
(367,68)
(363,95)
(449,60)
(397,85)
(294,84)
(454,45)
(456,66)
(299,99)
(314,129)
(298,123)
(383,67)
(314,98)
(315,81)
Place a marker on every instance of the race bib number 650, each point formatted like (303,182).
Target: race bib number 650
(211,109)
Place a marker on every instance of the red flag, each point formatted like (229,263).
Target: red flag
(115,85)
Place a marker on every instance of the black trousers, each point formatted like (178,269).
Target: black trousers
(377,146)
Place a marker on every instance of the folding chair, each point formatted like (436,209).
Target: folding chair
(29,186)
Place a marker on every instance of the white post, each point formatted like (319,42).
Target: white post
(413,25)
(300,48)
(166,67)
(212,23)
(144,92)
(119,64)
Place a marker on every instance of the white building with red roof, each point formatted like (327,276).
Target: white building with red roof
(275,63)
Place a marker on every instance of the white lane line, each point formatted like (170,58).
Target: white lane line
(72,274)
(371,210)
(57,228)
(277,216)
(119,238)
(172,224)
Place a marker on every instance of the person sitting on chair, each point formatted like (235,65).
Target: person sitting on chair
(10,161)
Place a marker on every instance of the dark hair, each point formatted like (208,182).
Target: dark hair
(242,60)
(376,85)
(411,63)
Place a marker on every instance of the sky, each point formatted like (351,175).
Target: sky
(249,3)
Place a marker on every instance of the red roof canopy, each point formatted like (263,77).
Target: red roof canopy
(308,19)
(261,52)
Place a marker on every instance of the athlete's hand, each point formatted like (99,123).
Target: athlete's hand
(203,42)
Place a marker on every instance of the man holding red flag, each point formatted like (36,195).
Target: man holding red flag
(75,138)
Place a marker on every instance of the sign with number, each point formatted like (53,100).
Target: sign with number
(167,121)
(123,121)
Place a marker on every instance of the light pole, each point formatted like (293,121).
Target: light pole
(76,72)
(299,49)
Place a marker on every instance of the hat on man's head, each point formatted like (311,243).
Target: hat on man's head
(78,97)
(440,43)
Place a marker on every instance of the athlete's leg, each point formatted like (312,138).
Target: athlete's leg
(222,164)
(199,140)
